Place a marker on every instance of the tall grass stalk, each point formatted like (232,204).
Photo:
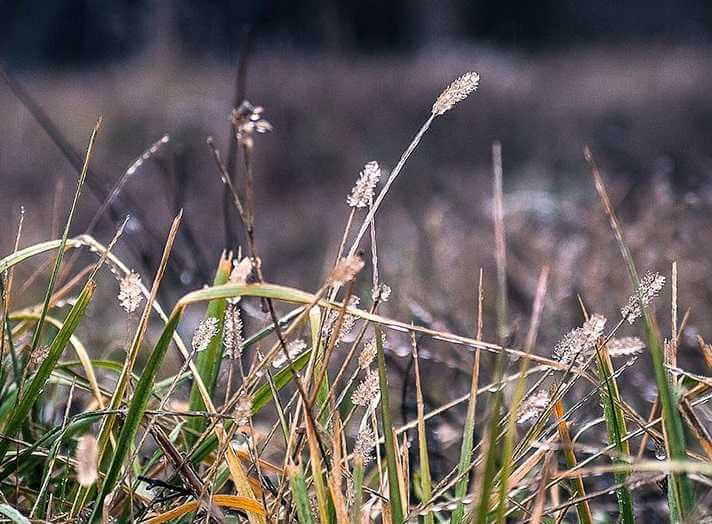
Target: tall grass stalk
(675,435)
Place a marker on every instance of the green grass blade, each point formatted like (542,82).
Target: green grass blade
(301,497)
(135,412)
(208,361)
(393,481)
(36,249)
(65,235)
(32,392)
(616,426)
(489,470)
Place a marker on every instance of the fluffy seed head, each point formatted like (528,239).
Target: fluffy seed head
(368,353)
(241,270)
(233,339)
(580,342)
(456,92)
(204,333)
(362,193)
(87,460)
(346,270)
(650,286)
(367,391)
(365,442)
(38,356)
(130,294)
(625,346)
(533,406)
(347,323)
(243,411)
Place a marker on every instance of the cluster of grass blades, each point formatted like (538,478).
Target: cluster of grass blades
(285,423)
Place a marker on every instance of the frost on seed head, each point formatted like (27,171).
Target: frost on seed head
(579,343)
(233,340)
(368,353)
(456,92)
(625,346)
(130,293)
(362,193)
(650,286)
(367,391)
(204,333)
(365,442)
(533,406)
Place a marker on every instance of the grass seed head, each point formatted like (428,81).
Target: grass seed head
(367,391)
(87,460)
(365,443)
(650,286)
(204,333)
(456,92)
(130,293)
(625,346)
(533,406)
(233,339)
(362,193)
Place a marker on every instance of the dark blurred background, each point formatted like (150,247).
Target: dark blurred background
(344,83)
(81,34)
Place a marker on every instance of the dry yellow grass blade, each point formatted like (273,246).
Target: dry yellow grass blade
(582,508)
(229,501)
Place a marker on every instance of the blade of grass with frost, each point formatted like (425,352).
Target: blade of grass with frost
(208,361)
(680,483)
(518,396)
(617,430)
(65,235)
(468,432)
(426,482)
(582,508)
(33,391)
(454,93)
(393,482)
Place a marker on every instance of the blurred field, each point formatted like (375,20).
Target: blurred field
(644,112)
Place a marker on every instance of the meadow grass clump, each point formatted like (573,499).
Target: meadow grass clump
(282,405)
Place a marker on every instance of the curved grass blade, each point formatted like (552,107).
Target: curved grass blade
(33,391)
